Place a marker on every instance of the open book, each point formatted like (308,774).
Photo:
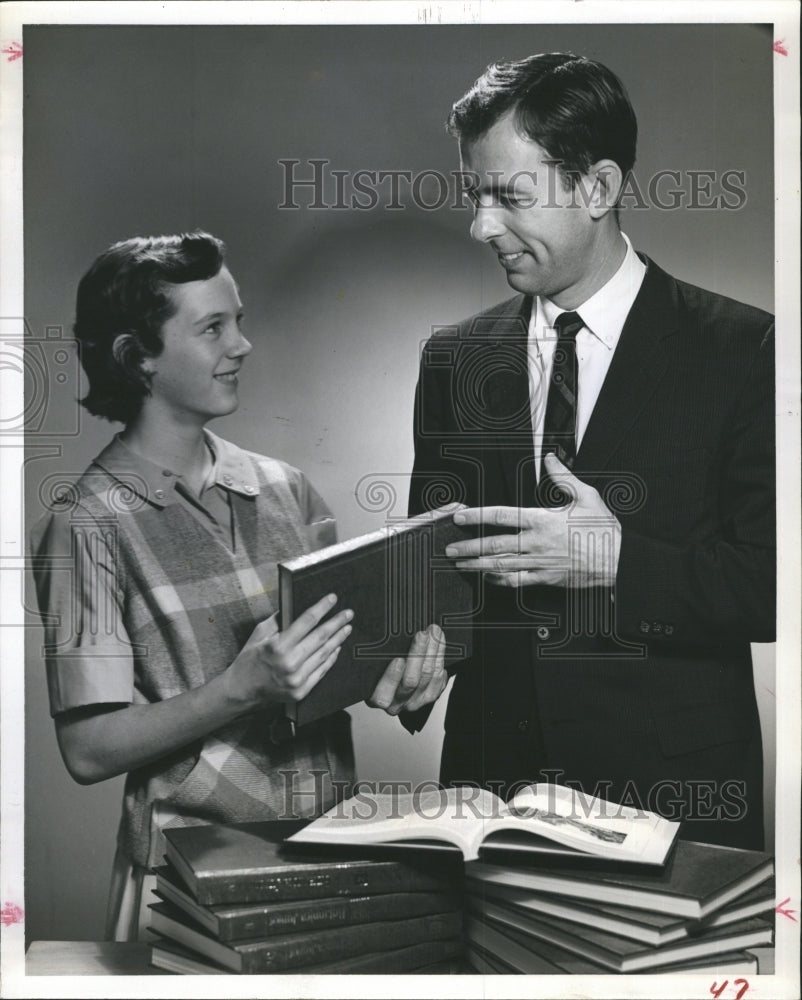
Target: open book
(541,817)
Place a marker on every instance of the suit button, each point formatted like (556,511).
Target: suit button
(543,632)
(523,725)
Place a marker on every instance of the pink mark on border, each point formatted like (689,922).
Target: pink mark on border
(780,908)
(769,691)
(12,51)
(11,914)
(779,48)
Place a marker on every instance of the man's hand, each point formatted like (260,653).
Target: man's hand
(418,680)
(572,546)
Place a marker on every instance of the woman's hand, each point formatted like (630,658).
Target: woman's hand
(285,666)
(418,680)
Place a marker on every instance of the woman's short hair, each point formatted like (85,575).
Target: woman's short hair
(122,303)
(575,109)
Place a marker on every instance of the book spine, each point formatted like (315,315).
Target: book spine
(298,950)
(315,915)
(419,958)
(286,610)
(286,615)
(315,884)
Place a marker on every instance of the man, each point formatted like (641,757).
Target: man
(611,430)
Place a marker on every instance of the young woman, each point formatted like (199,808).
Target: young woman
(167,663)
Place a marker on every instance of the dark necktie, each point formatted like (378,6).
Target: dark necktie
(559,425)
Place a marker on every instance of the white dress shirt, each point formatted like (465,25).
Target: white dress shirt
(604,315)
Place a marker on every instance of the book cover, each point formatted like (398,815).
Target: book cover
(487,964)
(397,581)
(305,948)
(248,863)
(760,900)
(641,925)
(697,880)
(425,958)
(470,817)
(500,950)
(649,926)
(525,953)
(619,954)
(232,921)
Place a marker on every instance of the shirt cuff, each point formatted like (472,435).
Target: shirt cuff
(98,675)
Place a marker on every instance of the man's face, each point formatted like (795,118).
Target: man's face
(195,376)
(543,234)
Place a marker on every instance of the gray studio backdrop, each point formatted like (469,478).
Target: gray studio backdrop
(136,130)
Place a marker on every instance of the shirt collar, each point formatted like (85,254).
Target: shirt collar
(231,470)
(606,311)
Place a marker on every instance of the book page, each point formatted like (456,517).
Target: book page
(457,815)
(591,823)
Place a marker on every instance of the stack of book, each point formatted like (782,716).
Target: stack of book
(235,899)
(563,883)
(699,912)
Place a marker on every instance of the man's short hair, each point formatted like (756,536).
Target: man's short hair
(576,109)
(123,301)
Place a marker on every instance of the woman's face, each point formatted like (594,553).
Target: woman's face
(195,377)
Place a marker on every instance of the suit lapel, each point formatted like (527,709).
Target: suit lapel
(638,365)
(505,372)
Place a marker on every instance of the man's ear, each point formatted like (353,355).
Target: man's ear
(606,178)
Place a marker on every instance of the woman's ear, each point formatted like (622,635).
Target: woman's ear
(128,355)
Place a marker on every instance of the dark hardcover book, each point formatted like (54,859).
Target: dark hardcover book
(247,863)
(760,900)
(305,948)
(619,954)
(640,925)
(397,581)
(501,952)
(527,955)
(649,926)
(426,958)
(173,957)
(486,964)
(765,959)
(697,880)
(231,921)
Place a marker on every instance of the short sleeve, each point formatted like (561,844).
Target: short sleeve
(87,651)
(319,523)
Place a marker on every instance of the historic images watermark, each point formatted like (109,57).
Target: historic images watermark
(679,801)
(314,184)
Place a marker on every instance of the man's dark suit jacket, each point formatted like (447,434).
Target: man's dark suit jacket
(642,693)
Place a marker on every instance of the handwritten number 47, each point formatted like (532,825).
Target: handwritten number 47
(740,984)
